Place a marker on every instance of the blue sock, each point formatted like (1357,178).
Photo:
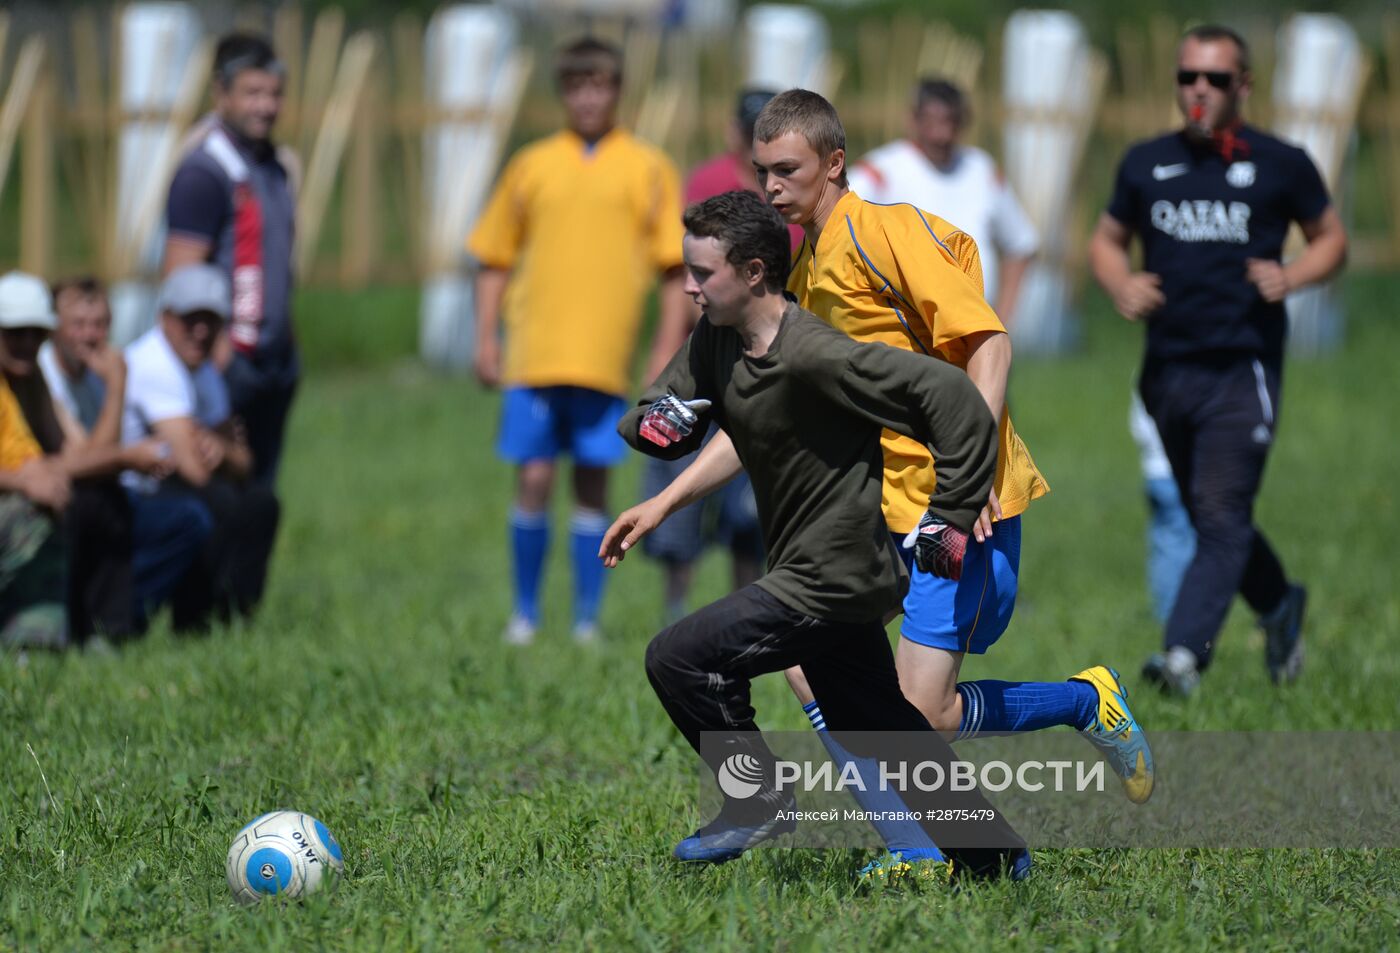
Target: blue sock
(586,531)
(529,544)
(906,838)
(991,707)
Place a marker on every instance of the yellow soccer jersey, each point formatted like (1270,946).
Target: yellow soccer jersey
(584,231)
(898,275)
(17,443)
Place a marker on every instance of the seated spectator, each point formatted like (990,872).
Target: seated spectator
(33,491)
(176,394)
(71,391)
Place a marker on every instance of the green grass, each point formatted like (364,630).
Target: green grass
(489,797)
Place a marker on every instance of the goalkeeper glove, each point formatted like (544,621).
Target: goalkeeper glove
(670,419)
(938,547)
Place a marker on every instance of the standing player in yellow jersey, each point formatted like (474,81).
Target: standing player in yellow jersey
(570,240)
(901,276)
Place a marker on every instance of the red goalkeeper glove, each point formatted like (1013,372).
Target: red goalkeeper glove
(938,547)
(670,419)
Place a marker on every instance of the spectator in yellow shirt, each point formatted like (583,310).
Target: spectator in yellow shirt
(569,244)
(33,492)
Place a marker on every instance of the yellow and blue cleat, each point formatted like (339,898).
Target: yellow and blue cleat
(1117,735)
(892,870)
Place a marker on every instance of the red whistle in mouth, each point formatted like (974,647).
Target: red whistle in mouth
(1198,112)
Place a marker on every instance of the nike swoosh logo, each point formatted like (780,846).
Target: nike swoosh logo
(1163,172)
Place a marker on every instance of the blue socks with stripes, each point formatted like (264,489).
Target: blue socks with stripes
(529,545)
(906,838)
(586,531)
(991,707)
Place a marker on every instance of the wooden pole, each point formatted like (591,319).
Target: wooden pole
(330,145)
(360,231)
(320,74)
(89,182)
(36,202)
(17,99)
(1391,31)
(287,38)
(409,123)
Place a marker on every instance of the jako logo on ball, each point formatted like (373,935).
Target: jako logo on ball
(740,776)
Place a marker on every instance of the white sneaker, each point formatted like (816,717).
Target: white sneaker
(586,633)
(519,631)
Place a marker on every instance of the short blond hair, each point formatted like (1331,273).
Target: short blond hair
(808,114)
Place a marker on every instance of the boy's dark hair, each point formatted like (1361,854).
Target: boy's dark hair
(749,228)
(589,56)
(88,286)
(239,51)
(804,112)
(936,89)
(1215,32)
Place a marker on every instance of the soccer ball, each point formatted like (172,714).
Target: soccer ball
(285,852)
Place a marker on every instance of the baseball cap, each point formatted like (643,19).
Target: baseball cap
(751,103)
(192,288)
(25,302)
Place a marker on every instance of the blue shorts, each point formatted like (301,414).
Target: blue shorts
(540,423)
(970,614)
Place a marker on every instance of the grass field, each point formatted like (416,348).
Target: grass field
(496,797)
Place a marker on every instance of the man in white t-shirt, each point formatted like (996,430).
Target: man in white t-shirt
(175,394)
(960,184)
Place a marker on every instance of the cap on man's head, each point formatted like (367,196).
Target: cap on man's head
(192,288)
(25,302)
(751,103)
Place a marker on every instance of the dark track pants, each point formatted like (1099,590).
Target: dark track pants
(262,398)
(98,525)
(230,571)
(702,668)
(1217,418)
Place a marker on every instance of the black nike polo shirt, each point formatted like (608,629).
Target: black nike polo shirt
(1199,218)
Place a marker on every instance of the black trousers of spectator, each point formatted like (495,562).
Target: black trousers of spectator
(1217,416)
(229,573)
(97,524)
(261,395)
(702,668)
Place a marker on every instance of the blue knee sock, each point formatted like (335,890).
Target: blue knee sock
(991,707)
(586,531)
(529,544)
(906,838)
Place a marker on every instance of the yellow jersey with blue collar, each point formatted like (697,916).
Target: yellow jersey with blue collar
(906,278)
(584,230)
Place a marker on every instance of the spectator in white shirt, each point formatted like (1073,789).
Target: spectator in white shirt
(175,393)
(959,183)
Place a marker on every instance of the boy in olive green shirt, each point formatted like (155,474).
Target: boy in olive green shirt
(804,405)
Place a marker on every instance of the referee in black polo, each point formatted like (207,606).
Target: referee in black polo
(1211,204)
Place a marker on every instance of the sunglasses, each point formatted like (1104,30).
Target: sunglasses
(1188,77)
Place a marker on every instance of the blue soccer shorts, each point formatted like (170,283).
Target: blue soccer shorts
(542,423)
(970,614)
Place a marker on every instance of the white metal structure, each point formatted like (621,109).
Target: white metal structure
(1317,89)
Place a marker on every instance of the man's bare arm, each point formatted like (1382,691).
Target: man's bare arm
(490,292)
(716,465)
(186,458)
(183,250)
(1321,259)
(989,365)
(1135,294)
(1013,272)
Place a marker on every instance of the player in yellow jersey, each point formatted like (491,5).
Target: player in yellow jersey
(570,241)
(901,276)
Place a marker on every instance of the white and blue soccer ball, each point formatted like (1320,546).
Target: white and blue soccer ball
(285,853)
